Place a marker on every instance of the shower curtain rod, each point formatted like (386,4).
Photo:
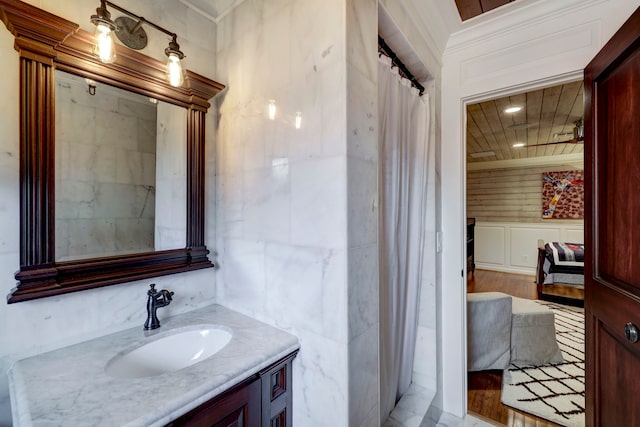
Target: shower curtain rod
(384,49)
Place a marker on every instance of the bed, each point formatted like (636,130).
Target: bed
(560,272)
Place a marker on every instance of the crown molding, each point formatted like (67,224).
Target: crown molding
(561,159)
(515,18)
(215,19)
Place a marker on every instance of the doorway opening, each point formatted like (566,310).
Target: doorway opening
(524,158)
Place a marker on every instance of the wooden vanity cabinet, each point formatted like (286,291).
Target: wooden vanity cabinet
(277,393)
(236,407)
(264,399)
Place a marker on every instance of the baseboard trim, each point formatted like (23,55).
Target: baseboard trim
(505,269)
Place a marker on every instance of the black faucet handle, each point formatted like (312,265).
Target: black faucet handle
(152,290)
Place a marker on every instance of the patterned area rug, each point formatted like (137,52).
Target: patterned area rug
(556,391)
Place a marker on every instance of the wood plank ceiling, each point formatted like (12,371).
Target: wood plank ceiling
(548,116)
(471,8)
(545,124)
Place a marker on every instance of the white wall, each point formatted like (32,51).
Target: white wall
(536,43)
(513,247)
(35,326)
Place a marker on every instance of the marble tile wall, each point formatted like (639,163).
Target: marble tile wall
(171,170)
(297,208)
(9,202)
(295,218)
(35,326)
(362,208)
(105,170)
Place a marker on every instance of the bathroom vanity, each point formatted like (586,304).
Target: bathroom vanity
(246,382)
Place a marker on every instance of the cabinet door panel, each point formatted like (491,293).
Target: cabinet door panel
(235,419)
(240,407)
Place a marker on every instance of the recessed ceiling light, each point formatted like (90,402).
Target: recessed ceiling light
(513,109)
(519,144)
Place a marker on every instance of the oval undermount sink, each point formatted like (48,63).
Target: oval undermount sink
(182,347)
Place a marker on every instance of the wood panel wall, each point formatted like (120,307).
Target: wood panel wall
(510,195)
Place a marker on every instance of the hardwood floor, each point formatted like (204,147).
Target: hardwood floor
(517,285)
(484,388)
(484,403)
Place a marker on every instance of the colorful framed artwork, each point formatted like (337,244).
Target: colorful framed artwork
(563,195)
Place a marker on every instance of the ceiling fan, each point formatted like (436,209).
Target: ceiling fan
(578,135)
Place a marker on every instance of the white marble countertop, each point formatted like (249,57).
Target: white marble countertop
(69,387)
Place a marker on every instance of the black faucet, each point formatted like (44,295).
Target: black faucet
(156,299)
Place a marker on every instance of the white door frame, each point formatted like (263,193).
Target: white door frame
(525,87)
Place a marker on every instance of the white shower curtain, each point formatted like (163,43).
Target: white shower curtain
(404,138)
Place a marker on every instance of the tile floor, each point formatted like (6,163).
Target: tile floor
(412,408)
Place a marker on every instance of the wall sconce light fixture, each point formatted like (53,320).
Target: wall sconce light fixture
(298,120)
(91,84)
(130,32)
(174,68)
(104,49)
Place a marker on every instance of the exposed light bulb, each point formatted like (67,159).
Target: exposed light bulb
(298,120)
(272,109)
(174,70)
(513,109)
(519,144)
(105,47)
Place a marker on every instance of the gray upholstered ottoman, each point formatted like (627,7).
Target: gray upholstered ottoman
(533,334)
(488,331)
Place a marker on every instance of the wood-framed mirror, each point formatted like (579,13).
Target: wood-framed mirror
(46,43)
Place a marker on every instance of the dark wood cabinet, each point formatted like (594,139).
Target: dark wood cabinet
(264,399)
(237,407)
(276,394)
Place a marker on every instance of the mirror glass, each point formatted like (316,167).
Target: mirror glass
(120,171)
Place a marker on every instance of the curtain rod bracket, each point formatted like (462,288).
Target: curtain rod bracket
(383,48)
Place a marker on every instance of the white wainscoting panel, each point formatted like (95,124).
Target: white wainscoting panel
(575,235)
(513,247)
(489,245)
(523,244)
